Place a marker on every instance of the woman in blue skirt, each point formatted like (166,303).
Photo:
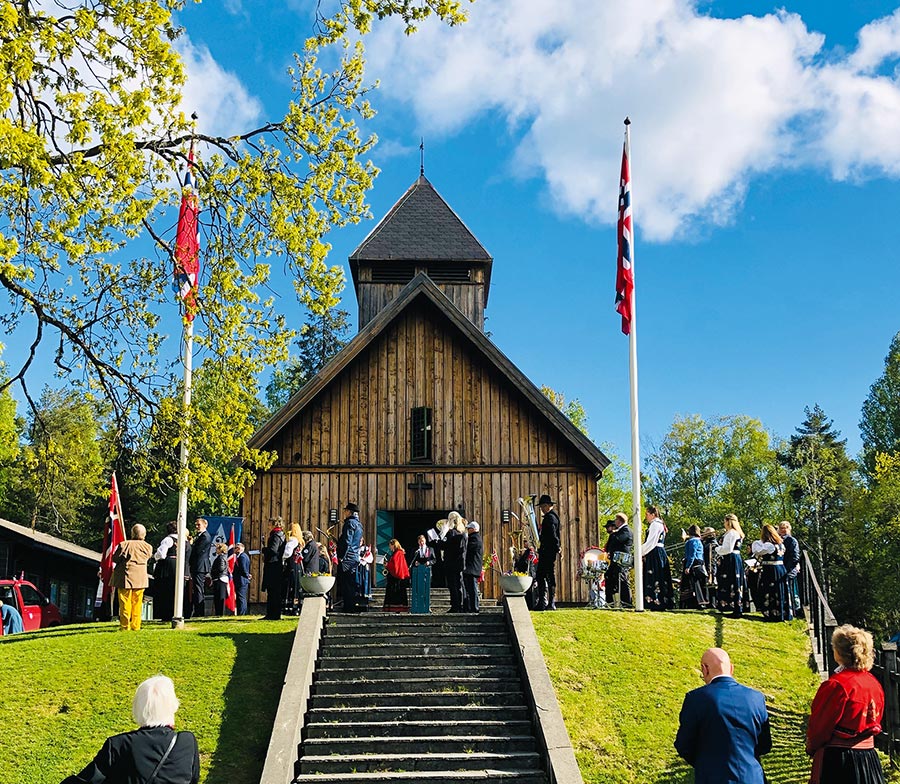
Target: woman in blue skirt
(658,594)
(732,582)
(773,596)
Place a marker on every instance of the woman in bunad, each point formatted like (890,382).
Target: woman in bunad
(291,578)
(710,559)
(658,593)
(772,587)
(845,717)
(695,572)
(164,575)
(730,577)
(221,578)
(395,594)
(420,564)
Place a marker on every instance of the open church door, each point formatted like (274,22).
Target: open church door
(384,532)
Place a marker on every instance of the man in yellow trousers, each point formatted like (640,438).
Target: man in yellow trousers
(130,577)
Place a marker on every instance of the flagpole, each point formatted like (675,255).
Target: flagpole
(181,519)
(635,432)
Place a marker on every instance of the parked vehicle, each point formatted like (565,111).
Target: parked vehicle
(37,611)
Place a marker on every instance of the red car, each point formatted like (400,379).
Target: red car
(37,611)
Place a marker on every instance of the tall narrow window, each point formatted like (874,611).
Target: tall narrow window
(420,435)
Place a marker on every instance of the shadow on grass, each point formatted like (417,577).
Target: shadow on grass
(250,701)
(59,631)
(679,772)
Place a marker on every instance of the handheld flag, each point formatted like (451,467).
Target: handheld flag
(187,243)
(113,534)
(624,272)
(231,599)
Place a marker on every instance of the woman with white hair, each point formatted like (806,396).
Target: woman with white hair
(130,577)
(153,754)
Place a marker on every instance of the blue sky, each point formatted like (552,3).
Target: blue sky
(766,152)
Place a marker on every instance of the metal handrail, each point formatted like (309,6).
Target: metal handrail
(886,671)
(821,618)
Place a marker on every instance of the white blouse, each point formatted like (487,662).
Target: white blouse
(729,543)
(759,546)
(655,537)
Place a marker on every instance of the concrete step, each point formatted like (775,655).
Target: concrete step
(409,671)
(424,744)
(362,763)
(406,699)
(423,648)
(398,637)
(427,714)
(445,685)
(344,728)
(388,661)
(404,619)
(427,777)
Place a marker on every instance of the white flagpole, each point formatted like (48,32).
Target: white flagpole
(637,522)
(181,521)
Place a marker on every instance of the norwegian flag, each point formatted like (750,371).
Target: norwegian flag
(231,599)
(624,273)
(113,534)
(187,243)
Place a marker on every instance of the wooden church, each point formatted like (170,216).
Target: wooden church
(421,413)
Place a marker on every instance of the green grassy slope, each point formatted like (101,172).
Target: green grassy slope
(65,690)
(621,678)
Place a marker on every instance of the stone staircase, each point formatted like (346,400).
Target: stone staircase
(418,698)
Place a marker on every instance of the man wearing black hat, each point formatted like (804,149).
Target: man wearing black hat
(348,556)
(547,553)
(620,541)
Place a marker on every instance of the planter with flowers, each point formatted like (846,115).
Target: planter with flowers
(515,583)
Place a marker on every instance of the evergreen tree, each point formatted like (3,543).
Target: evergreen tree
(880,424)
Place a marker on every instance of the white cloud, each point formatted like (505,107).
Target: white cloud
(714,102)
(222,103)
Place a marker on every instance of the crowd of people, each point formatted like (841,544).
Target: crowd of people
(713,571)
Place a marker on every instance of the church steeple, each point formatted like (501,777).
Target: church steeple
(421,233)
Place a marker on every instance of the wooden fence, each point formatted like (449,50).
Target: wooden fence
(822,624)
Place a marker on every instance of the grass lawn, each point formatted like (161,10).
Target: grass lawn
(621,678)
(66,690)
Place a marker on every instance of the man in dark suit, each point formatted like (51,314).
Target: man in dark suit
(547,553)
(791,566)
(620,541)
(473,567)
(348,556)
(200,563)
(241,575)
(724,726)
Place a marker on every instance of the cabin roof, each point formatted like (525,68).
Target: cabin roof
(423,287)
(43,541)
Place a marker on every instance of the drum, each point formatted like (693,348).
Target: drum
(623,560)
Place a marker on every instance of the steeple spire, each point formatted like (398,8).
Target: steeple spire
(422,157)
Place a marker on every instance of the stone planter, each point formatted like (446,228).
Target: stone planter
(317,586)
(514,585)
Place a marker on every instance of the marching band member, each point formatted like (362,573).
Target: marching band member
(618,590)
(366,558)
(453,546)
(657,572)
(548,551)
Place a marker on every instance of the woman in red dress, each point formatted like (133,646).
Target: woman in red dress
(846,715)
(396,598)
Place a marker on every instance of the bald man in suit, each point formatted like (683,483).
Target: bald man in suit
(724,726)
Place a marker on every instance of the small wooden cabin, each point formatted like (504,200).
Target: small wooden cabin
(421,413)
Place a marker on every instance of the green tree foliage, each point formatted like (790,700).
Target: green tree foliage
(703,470)
(319,340)
(880,423)
(821,484)
(61,476)
(571,408)
(11,430)
(93,137)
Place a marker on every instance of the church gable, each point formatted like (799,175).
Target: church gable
(420,361)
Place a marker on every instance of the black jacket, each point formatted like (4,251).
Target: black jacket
(474,554)
(454,549)
(791,554)
(309,555)
(131,757)
(219,566)
(201,553)
(620,541)
(550,541)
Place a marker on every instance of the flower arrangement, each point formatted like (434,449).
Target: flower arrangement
(493,562)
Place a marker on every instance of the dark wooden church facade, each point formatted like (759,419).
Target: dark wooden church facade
(421,414)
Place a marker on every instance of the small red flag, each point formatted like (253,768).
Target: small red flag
(231,599)
(187,243)
(624,272)
(113,535)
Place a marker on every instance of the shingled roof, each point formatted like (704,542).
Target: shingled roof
(421,226)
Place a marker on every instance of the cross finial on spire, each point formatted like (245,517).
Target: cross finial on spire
(422,157)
